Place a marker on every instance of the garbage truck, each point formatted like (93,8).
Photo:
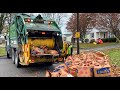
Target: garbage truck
(26,32)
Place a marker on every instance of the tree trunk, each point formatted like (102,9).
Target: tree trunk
(1,28)
(117,39)
(117,35)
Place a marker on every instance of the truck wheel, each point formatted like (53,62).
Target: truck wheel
(17,60)
(13,56)
(49,63)
(8,55)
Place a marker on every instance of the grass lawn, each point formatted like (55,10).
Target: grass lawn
(91,45)
(114,55)
(2,51)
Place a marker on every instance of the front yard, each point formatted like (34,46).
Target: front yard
(91,45)
(114,55)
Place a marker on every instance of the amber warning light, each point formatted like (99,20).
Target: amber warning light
(43,32)
(28,20)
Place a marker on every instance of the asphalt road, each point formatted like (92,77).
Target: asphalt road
(8,69)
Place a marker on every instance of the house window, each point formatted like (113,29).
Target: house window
(92,35)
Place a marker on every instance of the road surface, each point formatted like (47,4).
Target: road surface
(8,69)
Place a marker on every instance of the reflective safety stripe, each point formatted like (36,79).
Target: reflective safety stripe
(69,49)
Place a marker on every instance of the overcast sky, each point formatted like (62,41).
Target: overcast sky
(65,19)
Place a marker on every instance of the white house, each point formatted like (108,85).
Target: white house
(67,36)
(92,33)
(95,33)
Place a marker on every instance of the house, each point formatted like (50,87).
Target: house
(92,33)
(67,36)
(95,33)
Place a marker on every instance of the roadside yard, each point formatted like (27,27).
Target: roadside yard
(91,45)
(114,55)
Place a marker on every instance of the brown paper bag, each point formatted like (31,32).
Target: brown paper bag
(102,72)
(84,71)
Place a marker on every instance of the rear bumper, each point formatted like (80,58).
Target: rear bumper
(41,59)
(44,58)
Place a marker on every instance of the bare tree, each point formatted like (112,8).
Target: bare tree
(8,20)
(59,17)
(55,16)
(49,15)
(71,24)
(2,21)
(9,17)
(110,21)
(85,20)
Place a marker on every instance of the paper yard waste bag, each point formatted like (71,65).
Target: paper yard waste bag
(84,71)
(102,72)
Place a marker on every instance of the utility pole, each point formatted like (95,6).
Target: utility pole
(78,51)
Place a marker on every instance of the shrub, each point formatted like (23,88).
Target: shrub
(86,40)
(109,40)
(92,40)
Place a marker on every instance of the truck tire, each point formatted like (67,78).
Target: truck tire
(17,60)
(13,56)
(49,63)
(8,55)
